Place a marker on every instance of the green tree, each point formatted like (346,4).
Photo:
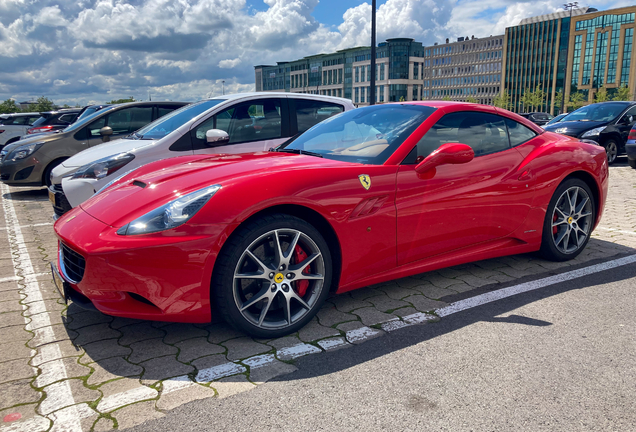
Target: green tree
(118,101)
(622,94)
(601,95)
(42,104)
(537,97)
(8,107)
(577,100)
(471,99)
(558,100)
(526,99)
(502,100)
(401,98)
(446,98)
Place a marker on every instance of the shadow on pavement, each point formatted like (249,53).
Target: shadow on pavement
(155,351)
(27,194)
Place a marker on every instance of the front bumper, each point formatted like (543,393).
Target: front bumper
(79,190)
(58,200)
(24,172)
(162,277)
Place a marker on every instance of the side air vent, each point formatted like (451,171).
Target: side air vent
(140,184)
(368,207)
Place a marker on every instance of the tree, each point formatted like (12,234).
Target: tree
(537,97)
(42,104)
(622,94)
(471,99)
(446,98)
(401,98)
(8,107)
(601,95)
(526,99)
(558,100)
(118,101)
(502,100)
(577,100)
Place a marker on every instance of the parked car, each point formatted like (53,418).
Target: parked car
(538,118)
(607,123)
(253,121)
(90,109)
(630,147)
(557,119)
(29,162)
(52,121)
(374,194)
(13,126)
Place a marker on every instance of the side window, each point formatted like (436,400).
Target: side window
(163,110)
(518,133)
(67,118)
(21,120)
(93,128)
(32,120)
(485,133)
(309,112)
(246,122)
(128,120)
(631,112)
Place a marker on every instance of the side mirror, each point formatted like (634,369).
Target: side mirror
(216,137)
(450,153)
(106,132)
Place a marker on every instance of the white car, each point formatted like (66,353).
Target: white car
(13,126)
(231,124)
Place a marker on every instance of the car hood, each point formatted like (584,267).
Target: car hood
(33,139)
(573,127)
(104,150)
(169,179)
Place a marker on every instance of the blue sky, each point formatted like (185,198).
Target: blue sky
(92,51)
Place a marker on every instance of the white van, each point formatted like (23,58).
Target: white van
(231,124)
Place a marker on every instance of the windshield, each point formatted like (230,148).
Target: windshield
(366,135)
(596,112)
(172,121)
(80,123)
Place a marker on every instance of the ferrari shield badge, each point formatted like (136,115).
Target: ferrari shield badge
(365,181)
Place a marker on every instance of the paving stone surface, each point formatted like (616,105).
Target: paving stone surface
(58,362)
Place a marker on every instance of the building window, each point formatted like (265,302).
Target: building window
(357,94)
(627,56)
(381,93)
(357,75)
(382,72)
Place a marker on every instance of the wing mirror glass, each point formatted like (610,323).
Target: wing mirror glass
(216,137)
(450,153)
(106,132)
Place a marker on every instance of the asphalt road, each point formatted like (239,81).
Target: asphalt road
(560,358)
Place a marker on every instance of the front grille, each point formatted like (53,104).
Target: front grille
(61,204)
(74,264)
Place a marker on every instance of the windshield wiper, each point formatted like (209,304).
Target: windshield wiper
(298,151)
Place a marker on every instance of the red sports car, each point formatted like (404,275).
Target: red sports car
(369,195)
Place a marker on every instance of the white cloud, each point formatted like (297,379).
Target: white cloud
(97,50)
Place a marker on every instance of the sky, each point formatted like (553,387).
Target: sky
(93,51)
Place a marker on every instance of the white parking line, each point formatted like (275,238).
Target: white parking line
(617,230)
(29,226)
(58,395)
(533,285)
(17,278)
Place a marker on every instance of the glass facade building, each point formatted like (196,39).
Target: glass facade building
(558,53)
(601,47)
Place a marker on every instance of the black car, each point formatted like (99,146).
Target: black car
(54,120)
(538,118)
(607,123)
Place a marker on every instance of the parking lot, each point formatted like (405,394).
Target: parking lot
(64,368)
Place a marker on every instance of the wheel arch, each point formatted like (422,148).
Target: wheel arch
(312,217)
(12,140)
(613,135)
(588,179)
(53,163)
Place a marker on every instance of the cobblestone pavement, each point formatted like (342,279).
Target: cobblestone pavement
(63,368)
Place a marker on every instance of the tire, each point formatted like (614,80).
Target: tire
(562,220)
(266,293)
(632,163)
(46,177)
(611,148)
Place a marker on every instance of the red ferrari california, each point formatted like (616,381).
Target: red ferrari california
(369,195)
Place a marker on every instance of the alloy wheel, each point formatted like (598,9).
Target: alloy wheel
(278,279)
(571,220)
(612,151)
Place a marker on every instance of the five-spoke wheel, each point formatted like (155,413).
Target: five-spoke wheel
(611,148)
(569,221)
(281,273)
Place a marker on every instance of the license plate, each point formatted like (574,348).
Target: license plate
(51,197)
(59,282)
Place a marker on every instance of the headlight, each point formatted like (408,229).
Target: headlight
(103,167)
(561,130)
(170,215)
(593,132)
(24,151)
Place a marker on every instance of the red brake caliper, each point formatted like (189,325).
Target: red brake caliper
(301,285)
